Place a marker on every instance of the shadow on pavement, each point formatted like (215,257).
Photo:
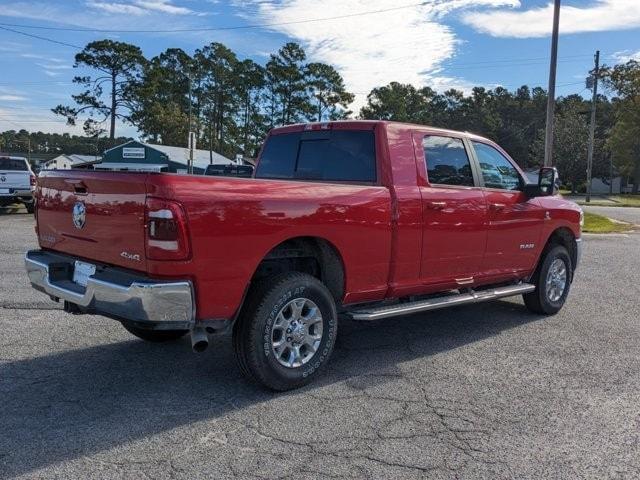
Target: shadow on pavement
(79,402)
(13,209)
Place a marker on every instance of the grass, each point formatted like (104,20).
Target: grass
(594,223)
(627,200)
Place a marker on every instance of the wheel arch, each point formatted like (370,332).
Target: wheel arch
(314,255)
(565,237)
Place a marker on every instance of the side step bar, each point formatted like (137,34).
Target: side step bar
(441,302)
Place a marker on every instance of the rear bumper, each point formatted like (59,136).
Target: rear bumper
(17,194)
(114,292)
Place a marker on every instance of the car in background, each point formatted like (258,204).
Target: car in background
(242,171)
(17,182)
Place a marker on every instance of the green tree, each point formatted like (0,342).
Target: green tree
(251,81)
(108,94)
(287,97)
(162,98)
(624,140)
(220,93)
(326,87)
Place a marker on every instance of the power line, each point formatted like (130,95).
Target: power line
(208,29)
(40,38)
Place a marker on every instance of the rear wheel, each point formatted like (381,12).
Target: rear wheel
(552,280)
(30,206)
(155,336)
(286,332)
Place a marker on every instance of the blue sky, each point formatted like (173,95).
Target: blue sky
(443,44)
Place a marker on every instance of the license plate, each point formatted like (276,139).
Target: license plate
(82,271)
(4,190)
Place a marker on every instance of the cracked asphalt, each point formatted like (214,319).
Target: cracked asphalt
(486,391)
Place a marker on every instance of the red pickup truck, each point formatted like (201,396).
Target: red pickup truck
(359,219)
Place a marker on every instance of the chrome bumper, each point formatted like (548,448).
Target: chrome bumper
(113,292)
(16,192)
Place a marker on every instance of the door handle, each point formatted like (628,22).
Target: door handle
(78,185)
(437,205)
(496,207)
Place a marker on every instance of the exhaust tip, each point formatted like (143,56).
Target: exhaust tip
(199,340)
(200,346)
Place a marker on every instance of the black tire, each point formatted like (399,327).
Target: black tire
(30,207)
(539,300)
(253,331)
(155,336)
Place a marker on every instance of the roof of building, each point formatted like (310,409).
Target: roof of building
(201,158)
(75,159)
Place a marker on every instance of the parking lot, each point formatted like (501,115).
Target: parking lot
(488,391)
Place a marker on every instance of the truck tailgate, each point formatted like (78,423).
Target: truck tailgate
(113,207)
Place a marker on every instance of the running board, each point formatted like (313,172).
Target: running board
(441,302)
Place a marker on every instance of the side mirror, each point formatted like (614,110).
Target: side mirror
(547,181)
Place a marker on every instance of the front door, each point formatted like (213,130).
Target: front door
(514,221)
(454,211)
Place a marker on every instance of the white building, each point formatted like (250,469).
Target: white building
(66,162)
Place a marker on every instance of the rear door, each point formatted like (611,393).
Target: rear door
(95,215)
(454,211)
(514,221)
(14,175)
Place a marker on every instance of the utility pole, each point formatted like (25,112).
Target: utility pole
(551,98)
(191,136)
(592,126)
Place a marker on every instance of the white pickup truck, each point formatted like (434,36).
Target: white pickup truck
(17,182)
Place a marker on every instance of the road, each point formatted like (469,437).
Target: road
(488,391)
(624,214)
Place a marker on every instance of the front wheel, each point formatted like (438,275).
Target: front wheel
(286,332)
(552,280)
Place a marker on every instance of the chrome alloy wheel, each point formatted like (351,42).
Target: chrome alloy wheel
(556,281)
(296,332)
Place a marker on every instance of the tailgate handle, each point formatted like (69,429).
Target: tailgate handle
(78,185)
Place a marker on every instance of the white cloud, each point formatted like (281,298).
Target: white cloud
(117,8)
(594,16)
(140,7)
(163,6)
(12,98)
(626,55)
(36,56)
(54,66)
(407,45)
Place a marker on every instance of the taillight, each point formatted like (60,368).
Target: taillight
(166,230)
(32,180)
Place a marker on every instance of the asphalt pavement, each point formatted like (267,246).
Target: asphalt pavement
(485,391)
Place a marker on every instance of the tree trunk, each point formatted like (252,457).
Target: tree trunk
(112,131)
(246,124)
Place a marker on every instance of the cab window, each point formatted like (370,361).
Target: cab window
(447,161)
(497,170)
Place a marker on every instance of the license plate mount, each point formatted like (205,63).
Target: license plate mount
(82,271)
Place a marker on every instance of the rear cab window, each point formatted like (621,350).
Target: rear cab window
(13,164)
(330,155)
